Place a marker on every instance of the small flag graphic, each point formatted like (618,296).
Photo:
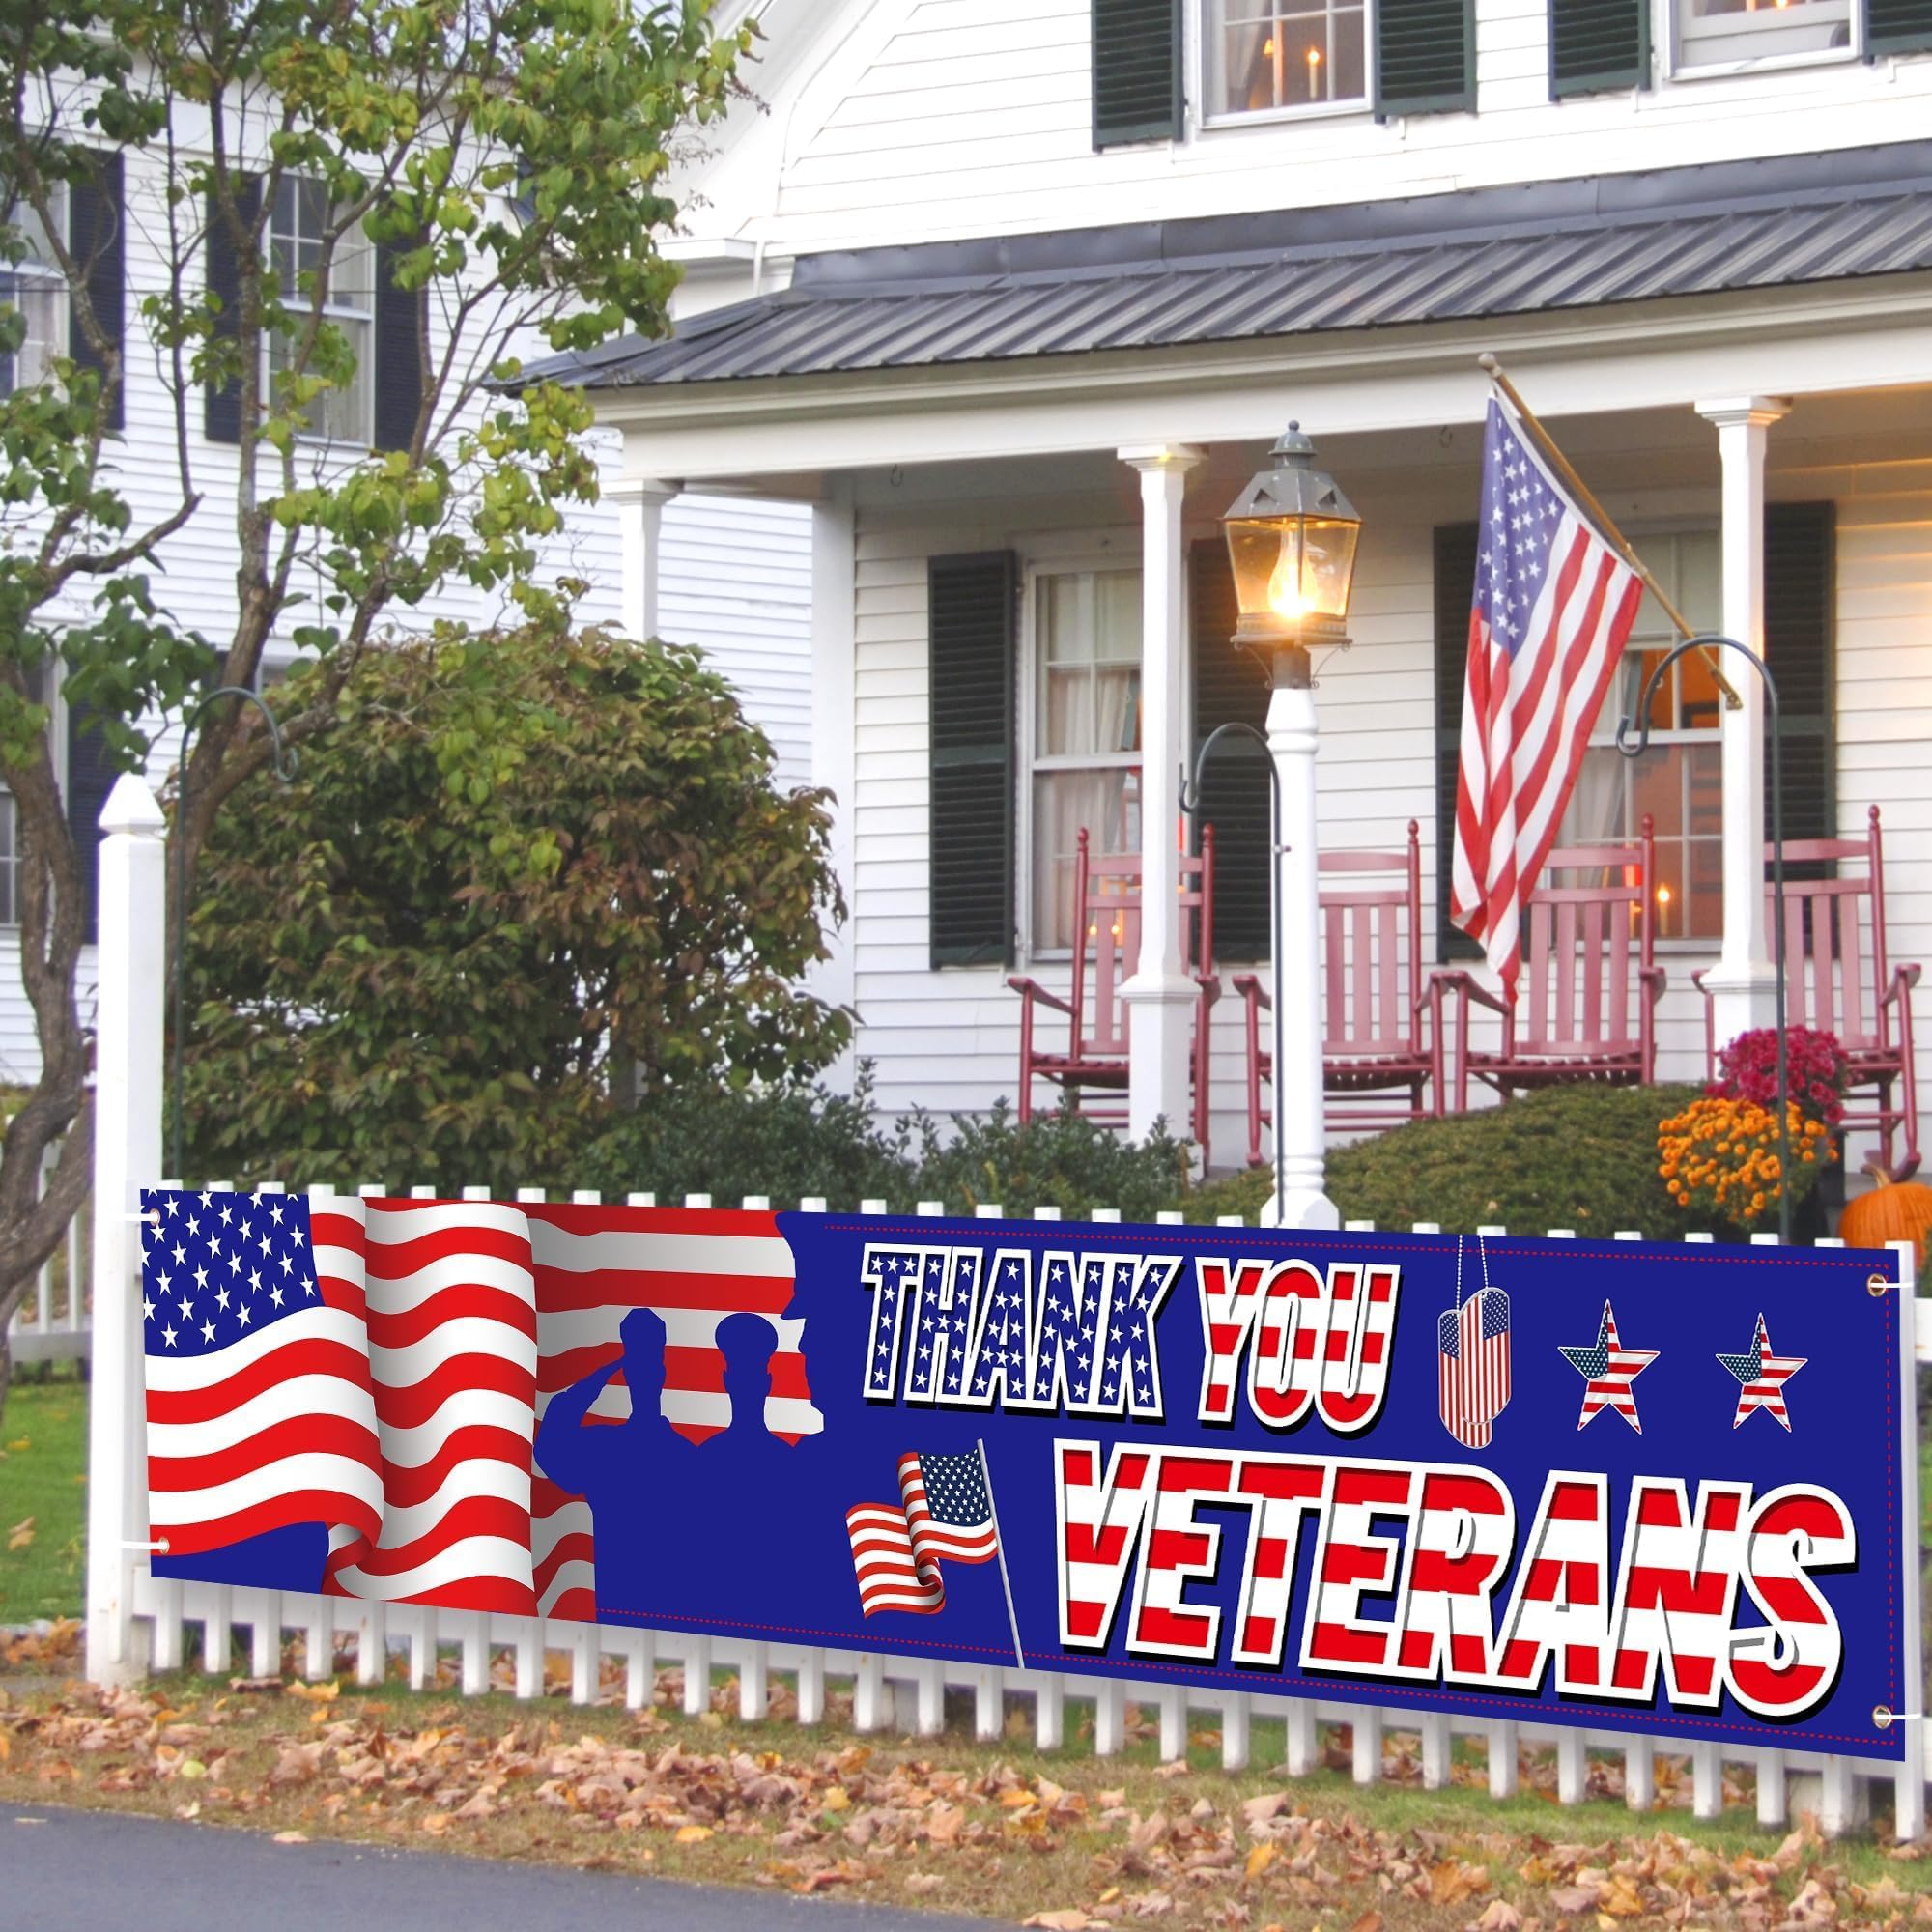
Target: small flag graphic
(945,1510)
(1473,1366)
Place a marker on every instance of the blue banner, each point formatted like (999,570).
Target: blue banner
(1622,1486)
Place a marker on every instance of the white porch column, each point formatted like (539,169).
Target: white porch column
(1741,981)
(126,1157)
(640,502)
(1162,997)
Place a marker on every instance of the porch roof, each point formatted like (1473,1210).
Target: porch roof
(1553,245)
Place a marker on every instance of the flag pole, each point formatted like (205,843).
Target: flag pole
(1580,490)
(1000,1547)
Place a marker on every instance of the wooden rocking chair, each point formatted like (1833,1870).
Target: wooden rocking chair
(1106,947)
(1840,980)
(1587,994)
(1379,1062)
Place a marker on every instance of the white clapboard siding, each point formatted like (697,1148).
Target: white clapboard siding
(918,120)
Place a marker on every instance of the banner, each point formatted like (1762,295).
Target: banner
(1616,1484)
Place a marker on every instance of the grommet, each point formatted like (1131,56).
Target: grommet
(1876,1284)
(1882,1716)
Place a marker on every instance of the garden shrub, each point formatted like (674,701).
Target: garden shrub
(1058,1160)
(1578,1156)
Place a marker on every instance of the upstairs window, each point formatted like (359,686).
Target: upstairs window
(1730,32)
(298,249)
(37,288)
(1285,56)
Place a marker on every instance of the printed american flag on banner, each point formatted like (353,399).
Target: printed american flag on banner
(694,1266)
(367,1365)
(1473,1366)
(944,1511)
(1554,608)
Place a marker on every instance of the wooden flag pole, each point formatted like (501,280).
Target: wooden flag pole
(1005,1581)
(1580,490)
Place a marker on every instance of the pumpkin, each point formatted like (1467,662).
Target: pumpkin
(1893,1211)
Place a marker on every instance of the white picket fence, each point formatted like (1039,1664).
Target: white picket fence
(137,1622)
(51,1325)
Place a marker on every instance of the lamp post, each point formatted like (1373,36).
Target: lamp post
(1292,537)
(1707,641)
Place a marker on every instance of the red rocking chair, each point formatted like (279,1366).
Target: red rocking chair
(1106,946)
(1840,980)
(1378,1060)
(1587,994)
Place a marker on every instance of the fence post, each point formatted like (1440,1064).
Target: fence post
(126,1155)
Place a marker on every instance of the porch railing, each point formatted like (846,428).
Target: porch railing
(54,1323)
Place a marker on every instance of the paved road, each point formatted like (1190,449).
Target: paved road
(76,1871)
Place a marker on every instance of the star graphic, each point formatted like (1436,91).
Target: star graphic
(1608,1369)
(1761,1379)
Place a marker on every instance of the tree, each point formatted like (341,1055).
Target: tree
(304,240)
(508,863)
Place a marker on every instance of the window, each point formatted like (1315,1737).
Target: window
(39,292)
(299,248)
(1722,33)
(1267,56)
(1680,780)
(1086,736)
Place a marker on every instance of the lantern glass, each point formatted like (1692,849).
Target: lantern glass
(1293,568)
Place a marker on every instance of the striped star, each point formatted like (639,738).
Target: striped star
(1761,1379)
(1608,1369)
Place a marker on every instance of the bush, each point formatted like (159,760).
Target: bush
(804,1141)
(1580,1156)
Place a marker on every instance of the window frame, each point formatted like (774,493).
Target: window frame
(1666,34)
(334,311)
(51,277)
(1206,32)
(1604,735)
(1030,764)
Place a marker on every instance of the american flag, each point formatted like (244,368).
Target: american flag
(1761,1377)
(945,1510)
(1608,1369)
(1473,1366)
(1554,608)
(694,1266)
(367,1365)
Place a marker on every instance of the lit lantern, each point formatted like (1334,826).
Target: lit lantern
(1292,539)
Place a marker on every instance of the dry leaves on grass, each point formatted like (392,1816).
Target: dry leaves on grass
(21,1535)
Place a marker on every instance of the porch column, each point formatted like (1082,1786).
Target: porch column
(1162,997)
(640,502)
(1741,982)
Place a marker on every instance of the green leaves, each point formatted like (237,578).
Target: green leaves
(514,863)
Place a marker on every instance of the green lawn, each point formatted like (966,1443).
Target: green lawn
(43,1499)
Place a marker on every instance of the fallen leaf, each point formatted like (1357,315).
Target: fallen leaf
(21,1535)
(323,1693)
(1498,1915)
(436,1824)
(921,1883)
(838,1799)
(1370,1921)
(692,1834)
(1259,1859)
(289,1838)
(19,1445)
(1070,1919)
(1573,1898)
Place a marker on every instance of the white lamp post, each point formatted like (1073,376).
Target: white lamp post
(1292,539)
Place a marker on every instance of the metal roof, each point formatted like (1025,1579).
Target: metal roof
(1485,252)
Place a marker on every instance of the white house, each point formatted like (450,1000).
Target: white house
(734,573)
(1014,294)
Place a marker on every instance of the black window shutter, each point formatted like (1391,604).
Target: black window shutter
(1799,601)
(1898,26)
(398,372)
(1136,71)
(1455,593)
(1596,44)
(223,403)
(90,778)
(1230,687)
(1424,56)
(96,236)
(972,602)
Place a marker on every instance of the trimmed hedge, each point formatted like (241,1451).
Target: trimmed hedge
(1581,1157)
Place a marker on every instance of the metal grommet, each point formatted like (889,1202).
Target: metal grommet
(1876,1285)
(1882,1716)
